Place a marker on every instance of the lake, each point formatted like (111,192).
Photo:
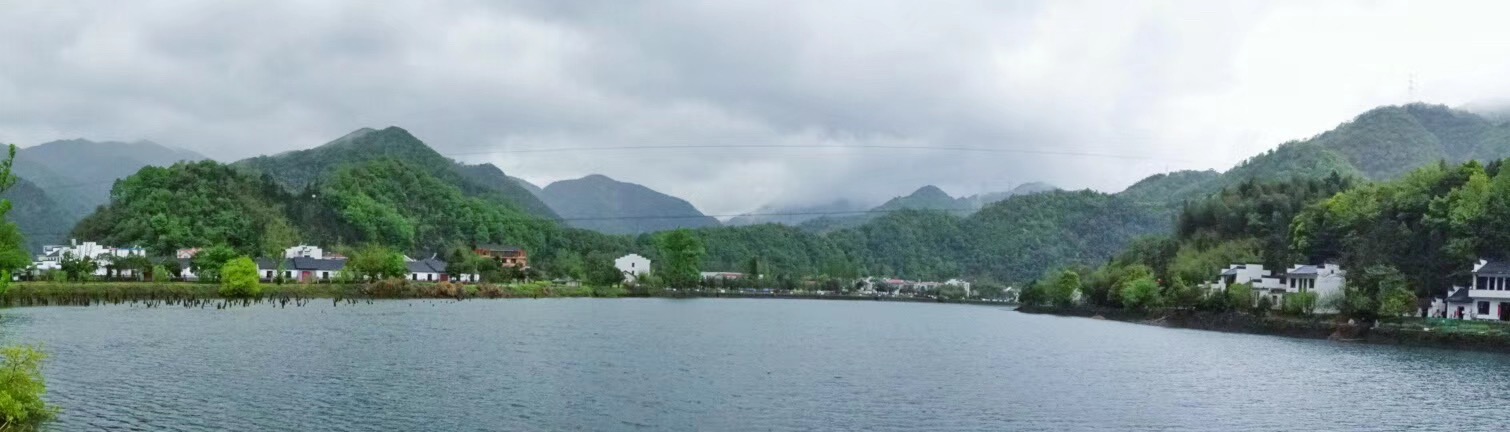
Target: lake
(724,364)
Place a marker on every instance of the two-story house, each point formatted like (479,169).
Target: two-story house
(1489,293)
(507,256)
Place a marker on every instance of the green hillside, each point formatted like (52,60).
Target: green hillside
(297,170)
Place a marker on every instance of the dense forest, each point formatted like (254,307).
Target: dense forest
(1415,237)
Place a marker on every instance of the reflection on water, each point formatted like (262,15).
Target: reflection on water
(584,364)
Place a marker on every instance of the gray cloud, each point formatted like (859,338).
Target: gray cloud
(1180,84)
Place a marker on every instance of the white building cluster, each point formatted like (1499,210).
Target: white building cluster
(1326,281)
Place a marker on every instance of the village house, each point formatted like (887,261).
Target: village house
(299,269)
(632,266)
(507,256)
(1325,280)
(52,256)
(959,283)
(1488,297)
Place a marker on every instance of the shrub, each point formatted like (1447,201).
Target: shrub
(1140,293)
(22,388)
(1300,303)
(239,278)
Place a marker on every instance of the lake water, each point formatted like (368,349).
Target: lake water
(723,364)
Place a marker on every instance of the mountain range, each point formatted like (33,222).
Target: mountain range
(609,206)
(388,186)
(60,182)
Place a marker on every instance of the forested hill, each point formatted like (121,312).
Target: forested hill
(928,197)
(297,170)
(65,180)
(602,204)
(40,219)
(1381,144)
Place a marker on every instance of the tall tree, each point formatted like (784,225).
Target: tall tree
(13,256)
(683,253)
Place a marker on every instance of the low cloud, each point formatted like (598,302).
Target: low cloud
(1079,94)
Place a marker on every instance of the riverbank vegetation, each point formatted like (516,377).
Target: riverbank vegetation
(21,382)
(1400,241)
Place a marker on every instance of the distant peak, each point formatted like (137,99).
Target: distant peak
(930,190)
(598,178)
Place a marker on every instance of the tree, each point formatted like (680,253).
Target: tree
(599,271)
(1396,302)
(1064,289)
(13,256)
(683,253)
(461,262)
(208,262)
(239,278)
(1240,297)
(22,388)
(1301,303)
(1141,293)
(376,262)
(78,269)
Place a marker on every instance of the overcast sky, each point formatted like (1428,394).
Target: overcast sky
(1078,94)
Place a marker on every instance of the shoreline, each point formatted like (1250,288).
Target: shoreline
(193,294)
(1410,332)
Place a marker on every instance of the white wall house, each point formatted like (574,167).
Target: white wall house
(632,266)
(1325,280)
(1264,283)
(959,283)
(52,256)
(304,251)
(1490,292)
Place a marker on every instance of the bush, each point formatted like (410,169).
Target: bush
(1300,303)
(238,278)
(22,388)
(1240,297)
(1140,293)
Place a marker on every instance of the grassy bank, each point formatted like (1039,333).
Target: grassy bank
(1434,332)
(197,294)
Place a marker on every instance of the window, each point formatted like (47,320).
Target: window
(1483,308)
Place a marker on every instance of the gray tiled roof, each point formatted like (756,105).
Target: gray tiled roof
(1305,270)
(430,265)
(1495,267)
(1460,296)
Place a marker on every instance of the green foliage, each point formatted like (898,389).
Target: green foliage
(1299,304)
(239,279)
(598,270)
(1064,289)
(1141,293)
(188,205)
(77,268)
(299,170)
(22,388)
(374,262)
(13,248)
(1396,302)
(682,258)
(208,262)
(1239,297)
